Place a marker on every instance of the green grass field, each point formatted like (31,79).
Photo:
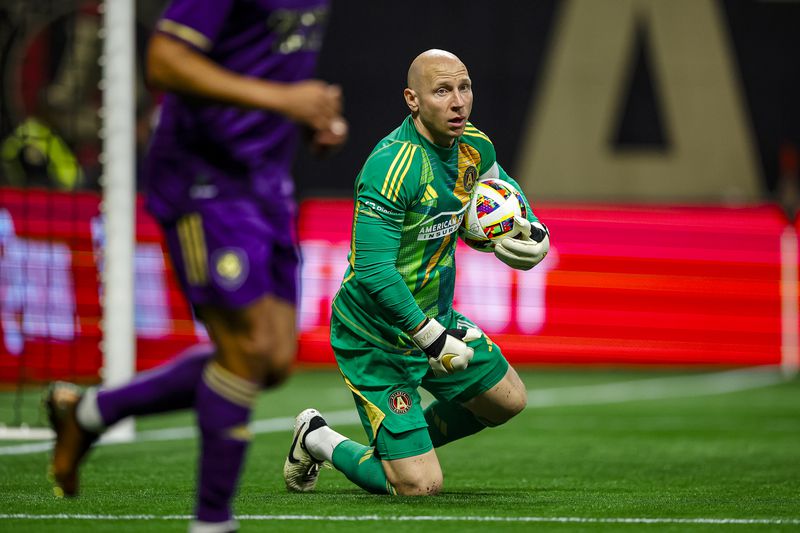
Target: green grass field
(595,451)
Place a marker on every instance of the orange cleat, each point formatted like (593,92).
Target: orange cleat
(72,441)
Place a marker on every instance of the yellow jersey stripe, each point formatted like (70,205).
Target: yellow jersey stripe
(192,248)
(391,168)
(184,33)
(367,455)
(477,134)
(403,176)
(435,259)
(183,239)
(467,156)
(399,168)
(374,414)
(196,225)
(352,258)
(473,129)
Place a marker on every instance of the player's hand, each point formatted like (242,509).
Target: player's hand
(527,248)
(446,349)
(325,142)
(314,103)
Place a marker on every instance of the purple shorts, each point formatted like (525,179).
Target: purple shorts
(228,253)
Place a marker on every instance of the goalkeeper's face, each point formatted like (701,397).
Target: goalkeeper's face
(440,98)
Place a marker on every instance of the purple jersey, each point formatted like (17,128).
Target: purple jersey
(227,151)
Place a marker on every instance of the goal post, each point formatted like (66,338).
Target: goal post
(790,323)
(118,84)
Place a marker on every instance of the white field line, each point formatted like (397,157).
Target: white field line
(422,518)
(658,388)
(602,393)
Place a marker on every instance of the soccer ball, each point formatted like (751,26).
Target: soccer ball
(490,214)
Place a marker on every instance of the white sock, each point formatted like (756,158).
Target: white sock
(321,442)
(88,413)
(196,526)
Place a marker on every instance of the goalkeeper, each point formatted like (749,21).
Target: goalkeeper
(393,326)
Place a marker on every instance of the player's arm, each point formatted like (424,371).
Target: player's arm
(177,67)
(177,62)
(377,229)
(376,244)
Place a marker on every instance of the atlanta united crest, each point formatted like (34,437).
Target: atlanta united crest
(400,402)
(470,177)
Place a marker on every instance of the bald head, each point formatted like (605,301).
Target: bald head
(439,96)
(426,63)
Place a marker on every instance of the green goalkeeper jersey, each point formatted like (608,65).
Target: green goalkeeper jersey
(410,198)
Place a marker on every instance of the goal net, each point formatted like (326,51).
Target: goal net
(67,201)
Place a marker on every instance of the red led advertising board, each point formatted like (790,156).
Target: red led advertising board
(687,285)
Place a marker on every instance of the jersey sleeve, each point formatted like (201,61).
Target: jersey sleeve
(195,22)
(386,187)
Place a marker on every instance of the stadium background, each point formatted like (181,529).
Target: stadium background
(665,166)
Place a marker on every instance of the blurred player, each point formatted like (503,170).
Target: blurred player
(393,327)
(237,75)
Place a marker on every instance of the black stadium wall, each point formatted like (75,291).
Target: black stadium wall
(618,100)
(641,100)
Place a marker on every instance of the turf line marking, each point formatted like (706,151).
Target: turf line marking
(657,388)
(602,393)
(423,518)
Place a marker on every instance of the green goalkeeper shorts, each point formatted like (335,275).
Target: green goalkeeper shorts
(385,385)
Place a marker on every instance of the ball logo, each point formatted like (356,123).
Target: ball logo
(400,402)
(470,177)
